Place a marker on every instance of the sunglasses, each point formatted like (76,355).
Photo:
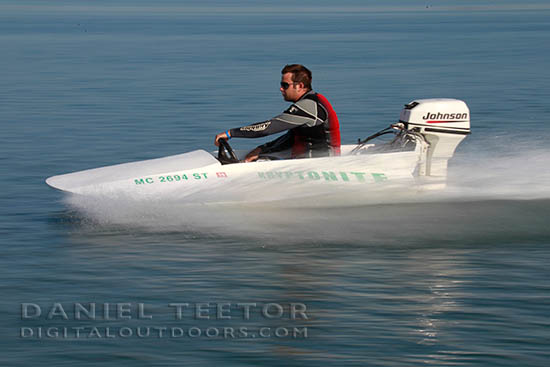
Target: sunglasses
(285,85)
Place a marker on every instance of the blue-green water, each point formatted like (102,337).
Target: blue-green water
(459,280)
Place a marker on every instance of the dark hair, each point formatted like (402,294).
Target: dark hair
(300,74)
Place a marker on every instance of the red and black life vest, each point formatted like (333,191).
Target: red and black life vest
(320,140)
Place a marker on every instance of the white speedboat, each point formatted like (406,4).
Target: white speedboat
(424,139)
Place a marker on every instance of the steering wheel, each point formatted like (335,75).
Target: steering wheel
(226,154)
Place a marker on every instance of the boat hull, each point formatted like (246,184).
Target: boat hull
(198,177)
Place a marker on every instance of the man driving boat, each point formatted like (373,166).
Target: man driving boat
(312,124)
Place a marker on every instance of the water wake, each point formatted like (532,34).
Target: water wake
(521,174)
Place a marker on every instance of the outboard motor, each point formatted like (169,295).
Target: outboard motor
(444,123)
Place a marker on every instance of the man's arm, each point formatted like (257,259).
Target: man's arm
(283,142)
(303,112)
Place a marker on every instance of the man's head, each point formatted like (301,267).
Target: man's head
(295,82)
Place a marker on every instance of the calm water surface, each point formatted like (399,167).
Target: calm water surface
(461,279)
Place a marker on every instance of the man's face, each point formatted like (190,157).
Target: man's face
(294,91)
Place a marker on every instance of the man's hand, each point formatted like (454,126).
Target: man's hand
(253,155)
(221,136)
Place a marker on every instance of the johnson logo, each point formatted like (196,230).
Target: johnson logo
(445,117)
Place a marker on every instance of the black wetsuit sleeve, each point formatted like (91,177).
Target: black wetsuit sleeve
(303,112)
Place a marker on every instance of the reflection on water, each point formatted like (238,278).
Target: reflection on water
(435,300)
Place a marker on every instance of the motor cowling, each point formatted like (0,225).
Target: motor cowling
(444,123)
(437,114)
